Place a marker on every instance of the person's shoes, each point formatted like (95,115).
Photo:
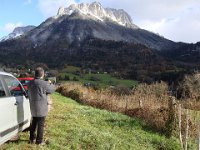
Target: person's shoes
(41,144)
(31,142)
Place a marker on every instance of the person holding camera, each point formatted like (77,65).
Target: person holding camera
(38,89)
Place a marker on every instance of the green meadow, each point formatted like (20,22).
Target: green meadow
(73,126)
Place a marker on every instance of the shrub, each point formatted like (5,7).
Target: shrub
(120,90)
(75,79)
(156,118)
(189,87)
(68,91)
(75,94)
(154,99)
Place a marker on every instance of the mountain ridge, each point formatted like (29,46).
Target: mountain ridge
(96,22)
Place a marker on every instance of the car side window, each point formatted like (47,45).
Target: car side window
(24,82)
(14,86)
(2,91)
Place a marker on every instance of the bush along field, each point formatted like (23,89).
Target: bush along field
(153,104)
(73,126)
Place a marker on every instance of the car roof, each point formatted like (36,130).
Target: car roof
(26,78)
(5,73)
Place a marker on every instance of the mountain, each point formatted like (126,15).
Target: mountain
(82,21)
(18,31)
(90,36)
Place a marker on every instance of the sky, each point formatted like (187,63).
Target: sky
(177,20)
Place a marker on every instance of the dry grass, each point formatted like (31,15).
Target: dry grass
(189,91)
(147,102)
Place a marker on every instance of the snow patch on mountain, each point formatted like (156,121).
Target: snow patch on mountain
(96,11)
(18,31)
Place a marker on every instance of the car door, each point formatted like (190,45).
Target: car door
(22,107)
(7,105)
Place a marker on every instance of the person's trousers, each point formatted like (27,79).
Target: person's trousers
(37,122)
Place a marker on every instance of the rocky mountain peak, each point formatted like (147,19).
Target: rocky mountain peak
(97,12)
(96,4)
(61,11)
(18,31)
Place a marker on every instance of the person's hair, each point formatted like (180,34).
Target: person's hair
(39,72)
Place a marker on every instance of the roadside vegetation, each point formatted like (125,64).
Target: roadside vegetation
(171,110)
(146,102)
(74,126)
(171,113)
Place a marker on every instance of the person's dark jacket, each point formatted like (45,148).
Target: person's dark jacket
(37,92)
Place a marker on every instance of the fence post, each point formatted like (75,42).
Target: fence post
(187,128)
(171,116)
(179,122)
(140,102)
(126,108)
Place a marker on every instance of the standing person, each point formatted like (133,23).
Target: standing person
(37,91)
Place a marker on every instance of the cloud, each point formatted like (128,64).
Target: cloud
(50,7)
(183,27)
(9,27)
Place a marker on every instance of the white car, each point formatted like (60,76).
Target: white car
(15,115)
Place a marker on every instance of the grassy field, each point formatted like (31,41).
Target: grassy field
(101,80)
(73,126)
